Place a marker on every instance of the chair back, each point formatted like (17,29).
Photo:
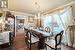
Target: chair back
(58,38)
(26,35)
(29,36)
(47,29)
(25,30)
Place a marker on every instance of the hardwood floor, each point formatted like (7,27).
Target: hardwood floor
(19,44)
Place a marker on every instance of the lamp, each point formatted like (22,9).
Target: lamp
(3,6)
(3,3)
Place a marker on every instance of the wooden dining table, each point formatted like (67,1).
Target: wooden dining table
(42,35)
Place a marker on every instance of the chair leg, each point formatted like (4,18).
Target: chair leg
(10,48)
(38,47)
(46,47)
(59,49)
(29,46)
(52,49)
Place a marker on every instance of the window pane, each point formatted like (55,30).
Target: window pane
(57,23)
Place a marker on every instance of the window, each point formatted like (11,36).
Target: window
(47,21)
(57,23)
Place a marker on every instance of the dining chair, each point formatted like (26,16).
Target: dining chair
(7,45)
(47,29)
(31,39)
(54,34)
(11,38)
(55,43)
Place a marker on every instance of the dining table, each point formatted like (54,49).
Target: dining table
(42,35)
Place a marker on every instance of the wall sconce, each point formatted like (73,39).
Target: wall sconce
(3,3)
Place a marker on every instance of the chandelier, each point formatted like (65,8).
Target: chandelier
(38,15)
(38,10)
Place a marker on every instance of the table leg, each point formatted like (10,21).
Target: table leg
(41,44)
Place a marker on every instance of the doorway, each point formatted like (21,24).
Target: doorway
(20,24)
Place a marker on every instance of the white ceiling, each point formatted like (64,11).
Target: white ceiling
(28,6)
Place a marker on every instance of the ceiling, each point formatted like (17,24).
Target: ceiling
(29,6)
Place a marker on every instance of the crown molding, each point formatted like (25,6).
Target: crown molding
(59,8)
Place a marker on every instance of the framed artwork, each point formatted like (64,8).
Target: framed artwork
(31,19)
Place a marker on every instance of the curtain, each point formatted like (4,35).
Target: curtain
(63,18)
(66,18)
(60,20)
(46,21)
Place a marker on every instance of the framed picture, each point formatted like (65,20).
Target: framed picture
(31,19)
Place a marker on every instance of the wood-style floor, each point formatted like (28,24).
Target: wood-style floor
(19,44)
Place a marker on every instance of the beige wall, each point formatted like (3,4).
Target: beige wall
(0,11)
(22,14)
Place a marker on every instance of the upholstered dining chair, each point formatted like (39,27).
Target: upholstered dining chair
(11,38)
(31,39)
(54,34)
(26,38)
(55,43)
(47,29)
(8,45)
